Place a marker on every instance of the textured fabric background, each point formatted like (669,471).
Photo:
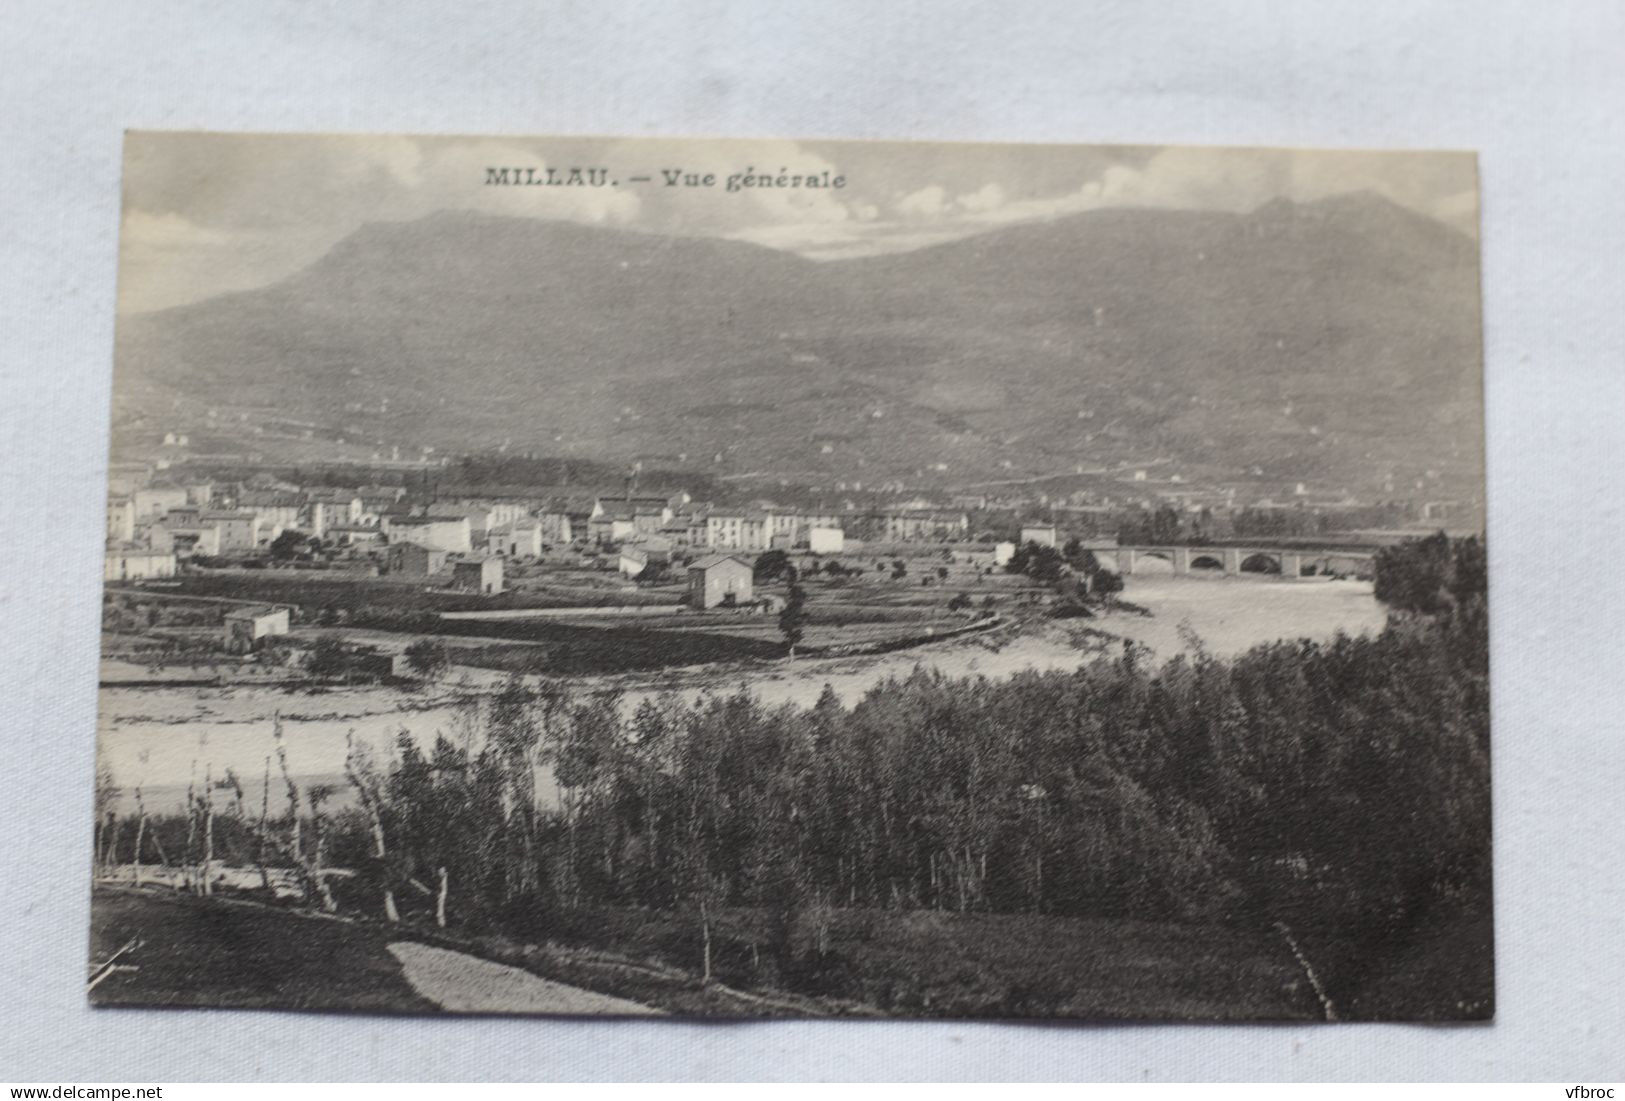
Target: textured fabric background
(1537,88)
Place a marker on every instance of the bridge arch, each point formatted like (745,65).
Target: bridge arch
(1261,562)
(1154,561)
(1207,562)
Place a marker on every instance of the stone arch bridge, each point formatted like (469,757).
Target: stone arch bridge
(1226,561)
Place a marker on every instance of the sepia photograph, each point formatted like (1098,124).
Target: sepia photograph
(794,578)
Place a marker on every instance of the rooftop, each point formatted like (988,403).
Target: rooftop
(253,613)
(713,560)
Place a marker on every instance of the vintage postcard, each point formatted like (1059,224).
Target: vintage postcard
(733,578)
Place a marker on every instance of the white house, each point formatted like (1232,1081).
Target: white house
(331,508)
(719,579)
(120,519)
(478,575)
(521,539)
(153,501)
(444,533)
(246,626)
(822,540)
(1042,534)
(136,564)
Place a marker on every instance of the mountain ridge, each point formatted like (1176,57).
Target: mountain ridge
(1335,340)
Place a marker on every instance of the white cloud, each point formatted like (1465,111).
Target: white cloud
(987,199)
(927,202)
(222,212)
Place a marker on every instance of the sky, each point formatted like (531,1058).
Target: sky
(206,214)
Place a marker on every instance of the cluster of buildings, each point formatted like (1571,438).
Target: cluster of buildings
(677,522)
(156,519)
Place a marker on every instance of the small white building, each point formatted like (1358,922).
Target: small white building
(185,540)
(1042,534)
(136,564)
(451,534)
(413,560)
(823,540)
(719,579)
(246,626)
(1002,553)
(520,539)
(478,575)
(238,531)
(120,519)
(331,508)
(154,501)
(555,526)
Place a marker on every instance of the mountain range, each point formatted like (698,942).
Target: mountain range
(1334,342)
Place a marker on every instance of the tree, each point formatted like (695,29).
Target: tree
(793,617)
(427,657)
(1079,557)
(960,602)
(288,545)
(770,565)
(1431,575)
(1105,583)
(330,657)
(1038,562)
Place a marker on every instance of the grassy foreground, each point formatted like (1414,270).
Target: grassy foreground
(217,952)
(230,953)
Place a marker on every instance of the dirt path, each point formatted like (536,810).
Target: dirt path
(467,984)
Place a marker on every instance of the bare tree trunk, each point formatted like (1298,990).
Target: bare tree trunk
(360,775)
(265,821)
(440,899)
(189,865)
(705,936)
(111,856)
(310,866)
(163,857)
(140,835)
(318,872)
(208,830)
(140,831)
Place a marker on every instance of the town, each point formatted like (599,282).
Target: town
(234,562)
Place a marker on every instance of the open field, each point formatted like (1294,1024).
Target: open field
(314,590)
(873,608)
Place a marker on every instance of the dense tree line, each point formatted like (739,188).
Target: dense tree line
(1432,575)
